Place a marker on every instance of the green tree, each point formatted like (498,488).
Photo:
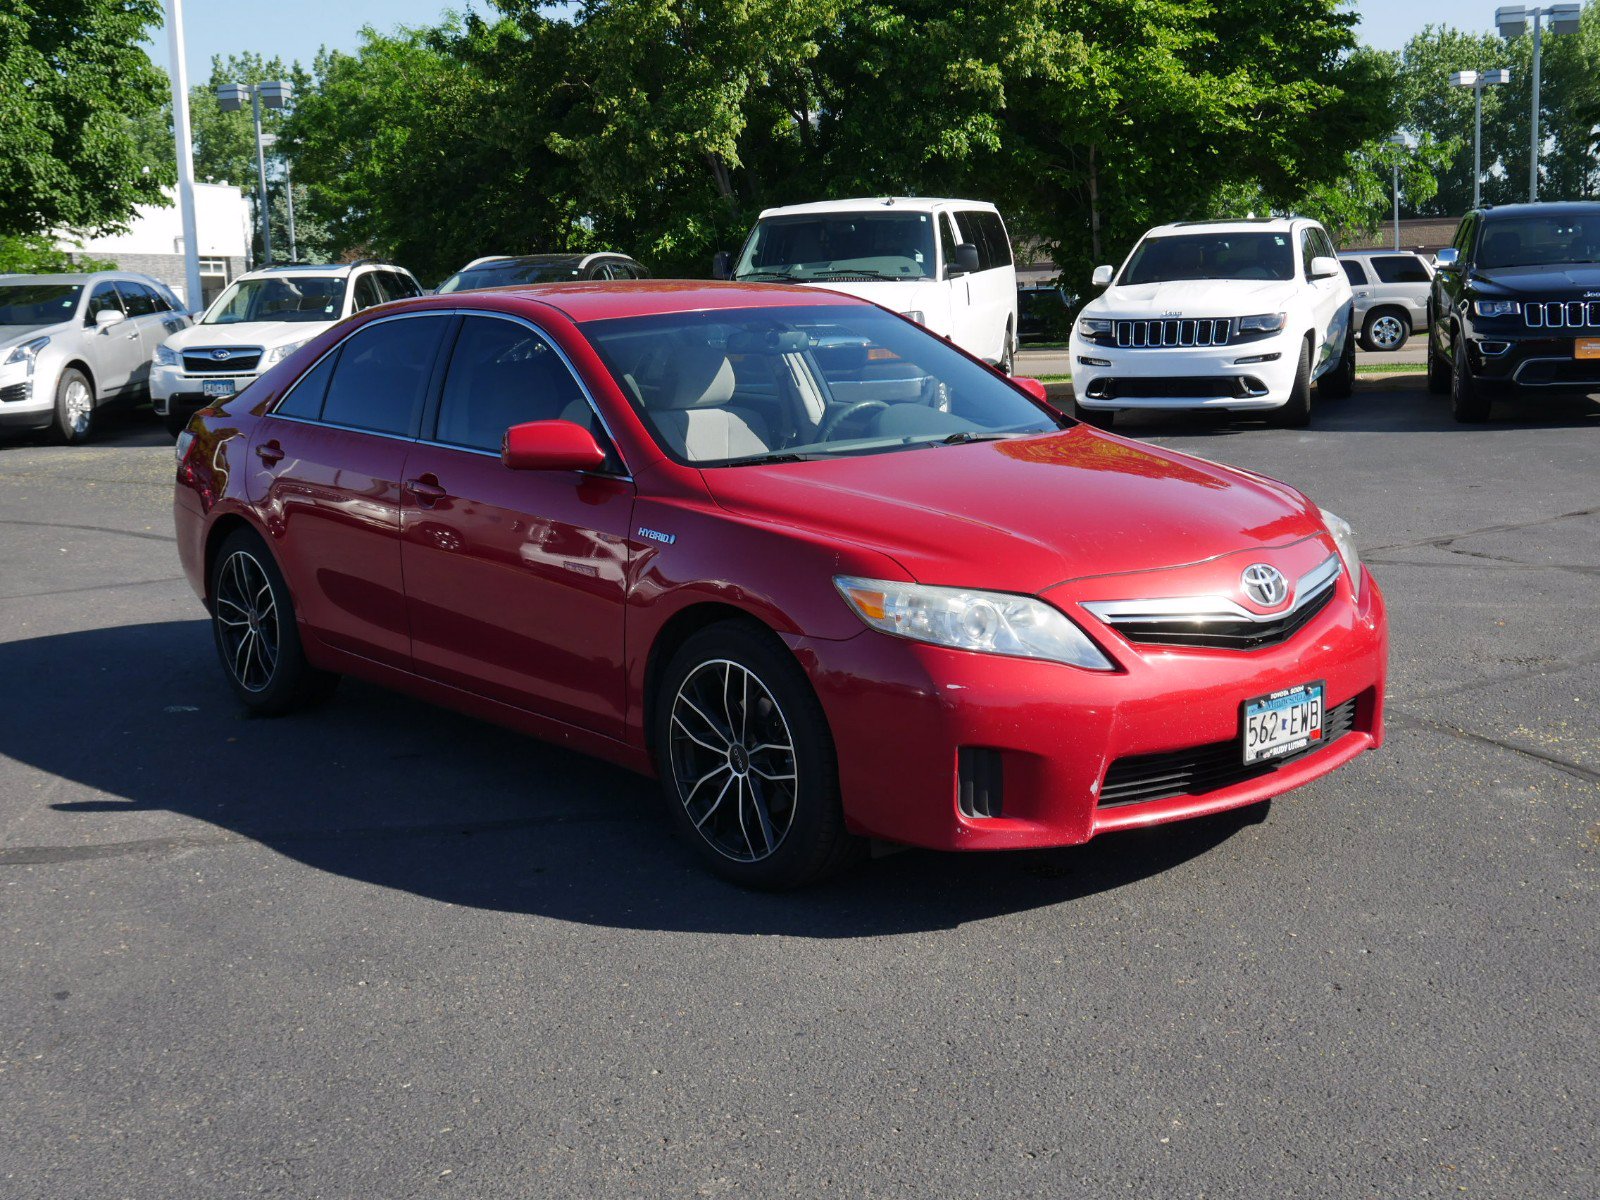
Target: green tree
(74,82)
(36,253)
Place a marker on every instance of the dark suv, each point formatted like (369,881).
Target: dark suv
(1515,306)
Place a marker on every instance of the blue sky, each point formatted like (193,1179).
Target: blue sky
(296,28)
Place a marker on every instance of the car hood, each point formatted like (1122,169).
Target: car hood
(265,334)
(14,335)
(1542,278)
(1194,298)
(1026,514)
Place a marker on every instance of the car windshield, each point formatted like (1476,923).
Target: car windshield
(504,274)
(1251,255)
(34,304)
(285,298)
(840,246)
(1541,240)
(731,387)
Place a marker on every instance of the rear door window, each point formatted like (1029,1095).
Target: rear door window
(136,298)
(383,373)
(367,293)
(1353,272)
(1400,268)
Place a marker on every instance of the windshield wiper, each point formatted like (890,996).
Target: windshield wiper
(748,275)
(776,456)
(868,271)
(969,435)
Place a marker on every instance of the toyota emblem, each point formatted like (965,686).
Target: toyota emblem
(222,355)
(1265,585)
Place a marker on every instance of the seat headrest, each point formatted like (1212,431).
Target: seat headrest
(703,379)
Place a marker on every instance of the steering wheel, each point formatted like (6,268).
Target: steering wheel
(831,422)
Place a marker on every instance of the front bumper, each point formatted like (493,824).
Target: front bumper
(26,401)
(1532,365)
(1244,376)
(173,391)
(902,712)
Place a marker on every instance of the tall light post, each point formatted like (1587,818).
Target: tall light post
(1477,81)
(1400,146)
(274,93)
(271,139)
(185,150)
(1512,20)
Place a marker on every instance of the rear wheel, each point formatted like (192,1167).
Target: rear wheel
(1469,402)
(1008,356)
(258,641)
(1385,330)
(1296,411)
(1438,368)
(74,420)
(747,762)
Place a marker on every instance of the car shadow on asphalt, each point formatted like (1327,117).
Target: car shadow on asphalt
(396,793)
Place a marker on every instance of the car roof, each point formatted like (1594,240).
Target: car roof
(82,277)
(1232,225)
(290,270)
(1553,208)
(1371,253)
(571,257)
(604,300)
(868,203)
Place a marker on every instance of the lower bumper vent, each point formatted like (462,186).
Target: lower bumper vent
(980,782)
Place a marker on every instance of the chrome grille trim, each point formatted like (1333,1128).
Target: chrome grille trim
(241,360)
(1174,333)
(1562,314)
(1208,609)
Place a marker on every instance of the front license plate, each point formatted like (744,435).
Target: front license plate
(1284,722)
(215,388)
(1586,348)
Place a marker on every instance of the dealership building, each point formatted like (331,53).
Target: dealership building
(153,241)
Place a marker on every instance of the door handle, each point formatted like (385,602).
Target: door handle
(270,453)
(426,489)
(134,336)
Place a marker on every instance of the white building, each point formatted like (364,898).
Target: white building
(153,242)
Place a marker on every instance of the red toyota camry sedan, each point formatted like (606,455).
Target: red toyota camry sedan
(823,574)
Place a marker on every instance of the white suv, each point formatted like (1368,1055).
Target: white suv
(262,318)
(1233,315)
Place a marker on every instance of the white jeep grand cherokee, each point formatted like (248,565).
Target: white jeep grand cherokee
(1233,315)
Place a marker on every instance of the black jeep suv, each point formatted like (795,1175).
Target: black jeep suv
(1515,306)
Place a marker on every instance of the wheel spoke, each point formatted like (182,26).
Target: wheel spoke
(678,721)
(764,817)
(710,724)
(755,770)
(715,804)
(743,829)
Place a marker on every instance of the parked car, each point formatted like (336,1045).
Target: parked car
(70,344)
(822,596)
(1044,314)
(499,270)
(1241,316)
(260,319)
(1515,307)
(946,264)
(1390,288)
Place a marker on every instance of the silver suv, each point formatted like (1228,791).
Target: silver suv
(1391,295)
(70,344)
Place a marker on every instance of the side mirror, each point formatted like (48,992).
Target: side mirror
(107,317)
(550,446)
(1033,387)
(1102,277)
(1323,267)
(1448,259)
(722,265)
(964,261)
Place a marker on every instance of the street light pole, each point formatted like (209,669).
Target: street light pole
(180,135)
(1513,21)
(1477,81)
(261,179)
(276,93)
(1400,145)
(288,187)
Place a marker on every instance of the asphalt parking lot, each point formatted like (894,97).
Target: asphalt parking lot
(382,950)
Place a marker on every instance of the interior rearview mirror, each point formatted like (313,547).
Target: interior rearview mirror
(108,317)
(1102,277)
(722,265)
(550,446)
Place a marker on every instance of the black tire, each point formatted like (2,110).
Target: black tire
(176,423)
(1008,358)
(1385,330)
(1438,368)
(1469,400)
(1100,418)
(257,639)
(799,820)
(73,423)
(1341,380)
(1296,411)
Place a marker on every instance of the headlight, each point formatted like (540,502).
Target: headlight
(166,356)
(988,622)
(917,315)
(1496,308)
(1264,323)
(279,353)
(1345,539)
(1093,327)
(27,352)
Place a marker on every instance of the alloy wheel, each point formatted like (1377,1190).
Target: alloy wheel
(247,621)
(1388,332)
(733,760)
(79,404)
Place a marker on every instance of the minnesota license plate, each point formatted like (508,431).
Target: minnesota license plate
(1284,722)
(1586,348)
(216,388)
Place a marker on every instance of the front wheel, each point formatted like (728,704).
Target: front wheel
(1296,411)
(1100,418)
(1438,368)
(175,422)
(253,623)
(1341,381)
(74,418)
(747,761)
(1469,401)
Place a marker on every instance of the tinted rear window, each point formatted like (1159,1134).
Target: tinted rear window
(1353,272)
(1400,268)
(383,375)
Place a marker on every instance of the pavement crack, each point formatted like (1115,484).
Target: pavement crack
(93,587)
(1442,540)
(1401,719)
(133,533)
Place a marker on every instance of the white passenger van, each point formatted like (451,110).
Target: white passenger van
(946,264)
